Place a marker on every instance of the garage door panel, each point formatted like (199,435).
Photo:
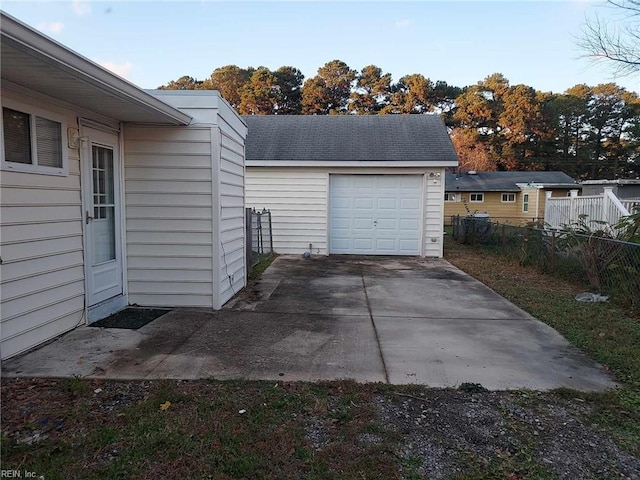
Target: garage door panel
(387,203)
(375,214)
(365,203)
(340,223)
(410,204)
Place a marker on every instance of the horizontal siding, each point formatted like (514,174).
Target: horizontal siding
(42,270)
(297,198)
(298,218)
(231,236)
(433,212)
(169,218)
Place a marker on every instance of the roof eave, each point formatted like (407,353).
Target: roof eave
(48,50)
(350,163)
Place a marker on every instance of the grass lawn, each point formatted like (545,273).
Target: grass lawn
(102,429)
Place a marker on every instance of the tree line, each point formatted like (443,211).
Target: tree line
(587,131)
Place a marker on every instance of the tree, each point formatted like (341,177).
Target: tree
(618,42)
(412,94)
(329,91)
(371,93)
(289,80)
(229,81)
(183,83)
(261,95)
(472,151)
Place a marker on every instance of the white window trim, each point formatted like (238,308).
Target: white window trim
(31,168)
(476,201)
(449,200)
(508,201)
(525,202)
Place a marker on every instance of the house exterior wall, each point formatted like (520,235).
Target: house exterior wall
(192,181)
(232,265)
(619,190)
(298,200)
(169,220)
(42,268)
(503,212)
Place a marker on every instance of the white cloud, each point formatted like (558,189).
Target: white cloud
(80,7)
(404,23)
(51,27)
(122,69)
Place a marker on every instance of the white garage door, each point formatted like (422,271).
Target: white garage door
(375,214)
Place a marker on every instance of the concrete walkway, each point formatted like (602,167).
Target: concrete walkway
(372,319)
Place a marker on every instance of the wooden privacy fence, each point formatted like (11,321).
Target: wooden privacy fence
(596,211)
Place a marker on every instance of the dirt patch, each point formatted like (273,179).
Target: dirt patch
(74,428)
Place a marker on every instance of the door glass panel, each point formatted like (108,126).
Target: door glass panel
(103,205)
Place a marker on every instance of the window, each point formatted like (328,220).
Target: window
(508,197)
(450,197)
(476,197)
(32,141)
(525,202)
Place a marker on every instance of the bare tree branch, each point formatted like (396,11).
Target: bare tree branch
(618,42)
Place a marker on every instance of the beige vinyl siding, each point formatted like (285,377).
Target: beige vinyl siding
(169,223)
(232,217)
(42,270)
(297,198)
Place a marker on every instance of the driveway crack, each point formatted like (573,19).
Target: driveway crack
(375,330)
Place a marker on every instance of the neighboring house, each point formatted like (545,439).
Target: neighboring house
(509,197)
(349,184)
(110,195)
(621,188)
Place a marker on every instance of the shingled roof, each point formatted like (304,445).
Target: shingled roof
(348,138)
(504,181)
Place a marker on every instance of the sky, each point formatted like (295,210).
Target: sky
(152,42)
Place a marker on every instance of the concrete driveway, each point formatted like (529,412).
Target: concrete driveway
(373,319)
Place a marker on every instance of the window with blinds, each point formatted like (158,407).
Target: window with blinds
(31,142)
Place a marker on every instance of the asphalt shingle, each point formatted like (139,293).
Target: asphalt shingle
(320,138)
(502,181)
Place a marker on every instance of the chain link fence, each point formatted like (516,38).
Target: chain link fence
(259,236)
(606,265)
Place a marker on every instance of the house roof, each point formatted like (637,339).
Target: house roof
(346,140)
(34,61)
(619,181)
(505,181)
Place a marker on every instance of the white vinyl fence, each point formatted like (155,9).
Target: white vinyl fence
(597,211)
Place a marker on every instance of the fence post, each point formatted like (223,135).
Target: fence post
(270,232)
(248,239)
(553,252)
(573,215)
(504,239)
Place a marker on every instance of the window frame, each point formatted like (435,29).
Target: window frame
(525,203)
(508,194)
(476,200)
(33,167)
(447,197)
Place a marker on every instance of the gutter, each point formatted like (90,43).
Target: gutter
(37,45)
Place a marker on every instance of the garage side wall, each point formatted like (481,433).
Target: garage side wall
(297,199)
(232,218)
(42,270)
(169,222)
(433,212)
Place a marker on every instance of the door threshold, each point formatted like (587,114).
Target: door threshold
(106,308)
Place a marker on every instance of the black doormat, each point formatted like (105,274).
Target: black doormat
(130,318)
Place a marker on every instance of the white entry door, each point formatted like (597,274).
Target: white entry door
(103,249)
(375,214)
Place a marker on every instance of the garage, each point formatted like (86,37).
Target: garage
(350,184)
(375,214)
